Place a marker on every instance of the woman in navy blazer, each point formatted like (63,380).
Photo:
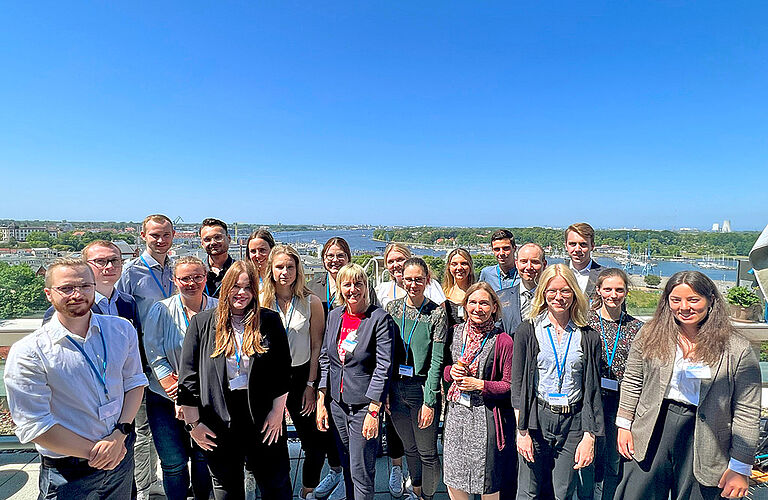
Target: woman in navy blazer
(355,368)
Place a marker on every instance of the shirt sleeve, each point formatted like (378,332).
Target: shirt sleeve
(156,326)
(740,467)
(29,396)
(133,374)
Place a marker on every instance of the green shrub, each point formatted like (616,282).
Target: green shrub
(742,296)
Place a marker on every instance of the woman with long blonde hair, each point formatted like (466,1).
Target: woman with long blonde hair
(233,383)
(556,388)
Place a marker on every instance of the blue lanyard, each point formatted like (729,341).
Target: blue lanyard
(328,296)
(102,378)
(215,291)
(183,309)
(290,312)
(498,275)
(560,370)
(159,285)
(464,345)
(394,290)
(615,342)
(238,356)
(402,327)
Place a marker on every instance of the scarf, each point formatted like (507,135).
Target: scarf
(470,358)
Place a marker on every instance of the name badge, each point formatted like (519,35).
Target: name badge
(461,312)
(110,409)
(610,384)
(698,370)
(239,382)
(406,371)
(465,400)
(558,399)
(349,345)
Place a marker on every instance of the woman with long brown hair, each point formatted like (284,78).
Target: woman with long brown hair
(459,276)
(689,410)
(233,384)
(258,246)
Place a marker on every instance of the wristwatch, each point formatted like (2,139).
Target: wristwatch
(310,383)
(190,426)
(125,428)
(374,413)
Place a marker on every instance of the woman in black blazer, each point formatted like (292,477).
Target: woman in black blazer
(233,384)
(355,369)
(335,255)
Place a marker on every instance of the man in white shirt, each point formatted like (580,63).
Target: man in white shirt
(579,243)
(74,386)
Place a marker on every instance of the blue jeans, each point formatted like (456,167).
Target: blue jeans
(175,448)
(70,478)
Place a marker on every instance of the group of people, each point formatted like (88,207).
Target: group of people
(547,387)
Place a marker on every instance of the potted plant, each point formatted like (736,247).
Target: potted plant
(744,304)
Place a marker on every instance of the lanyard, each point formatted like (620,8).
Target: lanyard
(101,378)
(464,345)
(290,312)
(215,291)
(394,290)
(498,275)
(328,296)
(184,310)
(238,356)
(159,285)
(615,342)
(560,370)
(402,327)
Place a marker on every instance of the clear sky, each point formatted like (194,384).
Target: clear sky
(623,114)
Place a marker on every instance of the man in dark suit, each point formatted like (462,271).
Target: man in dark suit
(104,259)
(516,301)
(579,243)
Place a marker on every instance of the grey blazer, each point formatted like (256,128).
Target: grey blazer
(727,418)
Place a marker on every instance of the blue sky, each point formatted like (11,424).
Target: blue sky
(623,114)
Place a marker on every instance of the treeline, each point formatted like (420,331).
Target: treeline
(69,241)
(21,291)
(661,243)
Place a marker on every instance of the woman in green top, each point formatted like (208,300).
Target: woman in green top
(414,400)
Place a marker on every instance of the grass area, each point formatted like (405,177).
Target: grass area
(642,303)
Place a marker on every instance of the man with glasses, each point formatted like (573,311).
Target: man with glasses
(149,279)
(74,386)
(215,240)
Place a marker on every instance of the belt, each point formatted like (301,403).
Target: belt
(561,409)
(65,462)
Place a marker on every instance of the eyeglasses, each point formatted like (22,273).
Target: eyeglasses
(414,281)
(102,263)
(565,293)
(188,280)
(217,238)
(68,290)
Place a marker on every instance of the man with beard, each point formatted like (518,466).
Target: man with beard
(503,274)
(516,301)
(74,386)
(215,240)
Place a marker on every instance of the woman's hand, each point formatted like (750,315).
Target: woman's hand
(191,414)
(321,412)
(179,412)
(525,445)
(458,372)
(273,425)
(733,484)
(203,436)
(467,384)
(170,384)
(585,451)
(370,427)
(626,444)
(308,401)
(426,416)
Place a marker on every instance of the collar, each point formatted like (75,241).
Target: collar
(151,260)
(111,300)
(583,272)
(58,332)
(523,289)
(509,274)
(227,264)
(543,321)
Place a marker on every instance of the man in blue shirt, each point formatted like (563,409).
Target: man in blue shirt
(503,274)
(148,279)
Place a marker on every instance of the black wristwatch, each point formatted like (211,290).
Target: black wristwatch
(190,426)
(125,428)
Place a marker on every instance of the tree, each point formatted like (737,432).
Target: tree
(436,265)
(39,239)
(652,280)
(21,291)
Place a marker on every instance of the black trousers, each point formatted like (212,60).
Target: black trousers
(609,464)
(241,444)
(667,470)
(358,455)
(551,474)
(316,444)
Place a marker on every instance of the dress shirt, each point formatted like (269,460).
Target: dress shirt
(137,281)
(497,279)
(574,363)
(245,360)
(107,305)
(50,382)
(582,276)
(163,337)
(526,297)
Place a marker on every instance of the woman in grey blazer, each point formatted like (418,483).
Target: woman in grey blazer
(689,409)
